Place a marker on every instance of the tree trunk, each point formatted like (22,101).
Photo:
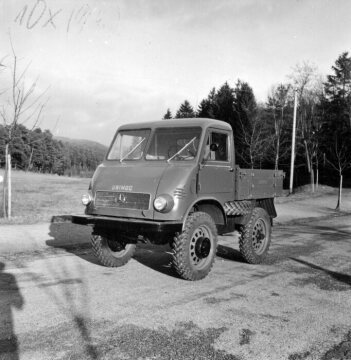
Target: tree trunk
(276,165)
(309,166)
(30,160)
(9,187)
(317,178)
(4,189)
(338,206)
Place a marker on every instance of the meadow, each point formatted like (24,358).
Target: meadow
(38,197)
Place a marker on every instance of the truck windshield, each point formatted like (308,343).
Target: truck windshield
(174,144)
(129,145)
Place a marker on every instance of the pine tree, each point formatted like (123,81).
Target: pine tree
(185,111)
(247,126)
(338,89)
(335,133)
(167,115)
(207,107)
(223,104)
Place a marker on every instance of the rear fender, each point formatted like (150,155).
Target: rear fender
(268,205)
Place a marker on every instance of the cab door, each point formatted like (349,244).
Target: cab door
(216,172)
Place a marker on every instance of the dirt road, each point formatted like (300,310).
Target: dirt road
(59,303)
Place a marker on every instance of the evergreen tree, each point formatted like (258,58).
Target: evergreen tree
(335,133)
(245,103)
(223,104)
(167,115)
(207,107)
(185,111)
(338,89)
(246,124)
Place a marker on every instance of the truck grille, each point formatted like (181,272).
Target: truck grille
(122,200)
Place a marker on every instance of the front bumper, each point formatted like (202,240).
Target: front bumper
(128,225)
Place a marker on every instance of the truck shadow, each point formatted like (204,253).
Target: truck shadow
(228,253)
(156,257)
(75,239)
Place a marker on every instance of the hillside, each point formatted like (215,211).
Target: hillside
(82,142)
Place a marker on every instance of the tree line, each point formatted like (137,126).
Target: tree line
(38,151)
(263,131)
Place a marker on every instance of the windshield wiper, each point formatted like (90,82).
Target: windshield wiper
(183,148)
(131,151)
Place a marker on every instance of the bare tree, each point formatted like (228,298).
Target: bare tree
(253,141)
(308,82)
(339,157)
(277,106)
(19,105)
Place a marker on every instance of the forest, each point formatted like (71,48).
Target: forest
(263,131)
(38,151)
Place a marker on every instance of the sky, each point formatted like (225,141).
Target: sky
(101,64)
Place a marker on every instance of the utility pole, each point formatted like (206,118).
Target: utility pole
(293,145)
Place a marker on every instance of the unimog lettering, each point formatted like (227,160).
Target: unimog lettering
(178,183)
(122,187)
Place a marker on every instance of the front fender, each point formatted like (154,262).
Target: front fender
(209,205)
(178,181)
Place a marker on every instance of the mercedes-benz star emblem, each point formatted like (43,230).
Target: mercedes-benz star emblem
(122,198)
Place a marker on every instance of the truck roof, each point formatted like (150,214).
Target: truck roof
(202,122)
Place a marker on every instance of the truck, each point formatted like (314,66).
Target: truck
(176,181)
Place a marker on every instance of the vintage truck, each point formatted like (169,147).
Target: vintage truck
(177,182)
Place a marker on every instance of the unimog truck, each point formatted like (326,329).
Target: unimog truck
(176,181)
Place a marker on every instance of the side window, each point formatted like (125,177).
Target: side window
(216,148)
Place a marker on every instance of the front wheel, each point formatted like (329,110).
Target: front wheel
(256,237)
(111,253)
(194,250)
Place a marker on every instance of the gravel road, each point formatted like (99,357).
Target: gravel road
(59,303)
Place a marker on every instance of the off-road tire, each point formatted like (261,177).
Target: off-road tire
(103,251)
(256,237)
(198,238)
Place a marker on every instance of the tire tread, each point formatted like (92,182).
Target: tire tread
(101,251)
(179,248)
(245,240)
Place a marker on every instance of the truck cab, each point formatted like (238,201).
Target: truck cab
(167,180)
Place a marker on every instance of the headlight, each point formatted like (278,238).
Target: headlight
(163,203)
(86,199)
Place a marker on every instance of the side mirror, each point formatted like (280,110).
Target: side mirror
(214,147)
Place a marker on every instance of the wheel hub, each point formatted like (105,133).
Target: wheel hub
(259,236)
(202,247)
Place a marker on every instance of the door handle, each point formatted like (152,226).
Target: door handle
(231,170)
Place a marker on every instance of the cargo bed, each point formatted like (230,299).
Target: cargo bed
(258,184)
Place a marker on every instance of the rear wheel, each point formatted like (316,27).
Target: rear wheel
(194,250)
(110,252)
(256,237)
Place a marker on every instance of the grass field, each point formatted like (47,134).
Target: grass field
(38,197)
